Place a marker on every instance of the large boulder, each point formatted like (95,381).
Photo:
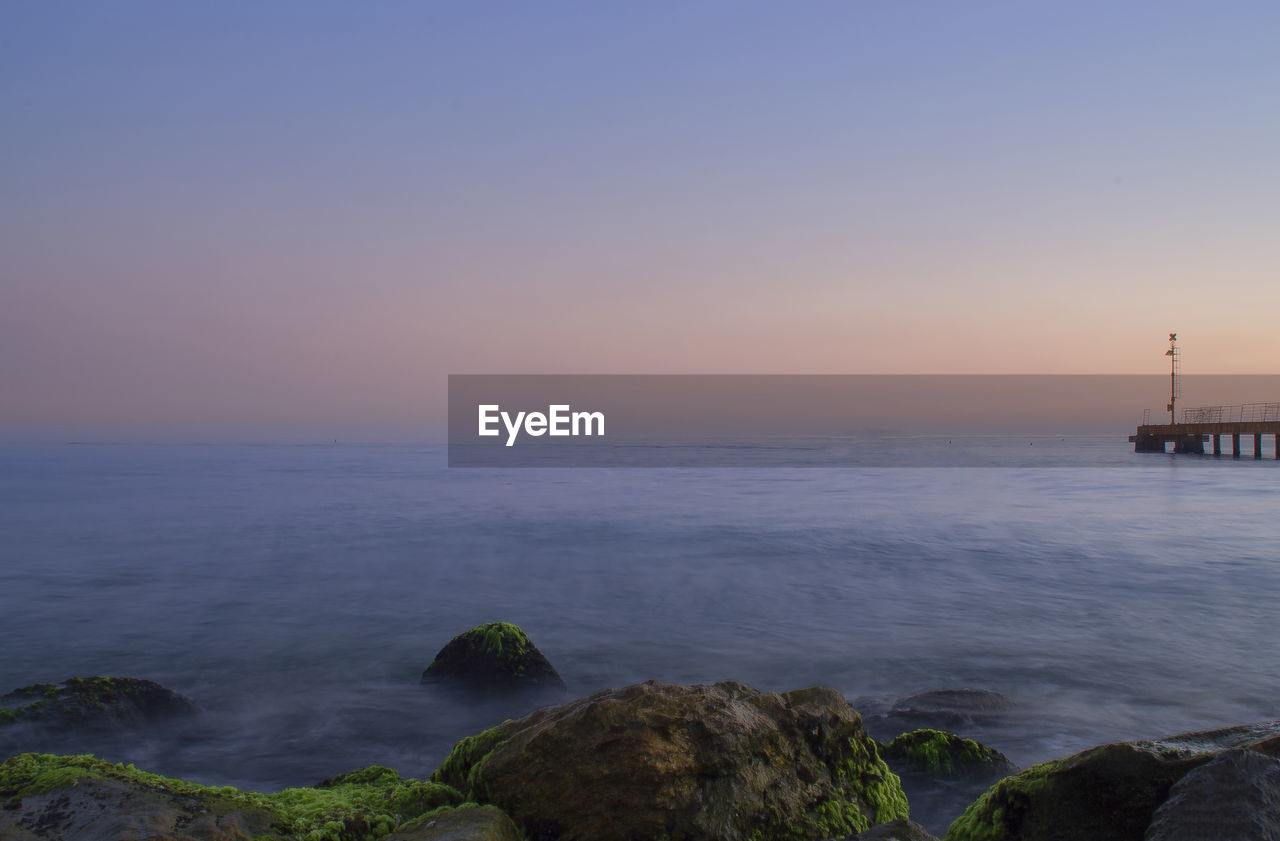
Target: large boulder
(98,809)
(80,798)
(1236,796)
(1107,793)
(724,762)
(496,655)
(92,703)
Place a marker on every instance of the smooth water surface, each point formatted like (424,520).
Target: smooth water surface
(297,592)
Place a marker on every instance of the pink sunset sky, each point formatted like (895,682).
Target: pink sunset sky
(295,219)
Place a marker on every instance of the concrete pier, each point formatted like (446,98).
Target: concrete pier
(1213,422)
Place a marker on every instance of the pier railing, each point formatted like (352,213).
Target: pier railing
(1240,413)
(1212,423)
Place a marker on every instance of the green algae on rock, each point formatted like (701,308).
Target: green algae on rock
(1107,793)
(690,762)
(93,702)
(461,767)
(495,655)
(901,829)
(468,822)
(945,756)
(74,797)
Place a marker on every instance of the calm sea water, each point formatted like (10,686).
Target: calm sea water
(297,592)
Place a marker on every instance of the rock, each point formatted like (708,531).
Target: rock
(945,756)
(85,799)
(80,798)
(938,708)
(899,830)
(378,787)
(114,810)
(962,702)
(942,773)
(497,655)
(1261,737)
(938,797)
(652,760)
(1107,793)
(1236,796)
(466,823)
(93,703)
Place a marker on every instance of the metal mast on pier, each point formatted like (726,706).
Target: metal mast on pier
(1206,422)
(1175,368)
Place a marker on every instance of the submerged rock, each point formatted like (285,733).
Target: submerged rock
(652,760)
(939,708)
(497,655)
(93,702)
(938,755)
(80,798)
(1260,737)
(959,702)
(1236,796)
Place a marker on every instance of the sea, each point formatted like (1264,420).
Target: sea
(297,592)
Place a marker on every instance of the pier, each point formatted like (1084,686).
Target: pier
(1211,424)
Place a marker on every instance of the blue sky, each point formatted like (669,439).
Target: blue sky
(291,214)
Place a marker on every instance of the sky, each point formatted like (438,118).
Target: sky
(300,217)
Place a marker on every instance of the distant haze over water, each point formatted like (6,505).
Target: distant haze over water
(808,420)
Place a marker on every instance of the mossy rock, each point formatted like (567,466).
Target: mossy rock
(943,773)
(652,760)
(496,655)
(81,797)
(939,755)
(461,767)
(469,822)
(1107,793)
(899,830)
(93,702)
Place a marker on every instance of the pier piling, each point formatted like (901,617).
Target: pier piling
(1215,423)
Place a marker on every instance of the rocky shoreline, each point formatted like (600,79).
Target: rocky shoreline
(655,761)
